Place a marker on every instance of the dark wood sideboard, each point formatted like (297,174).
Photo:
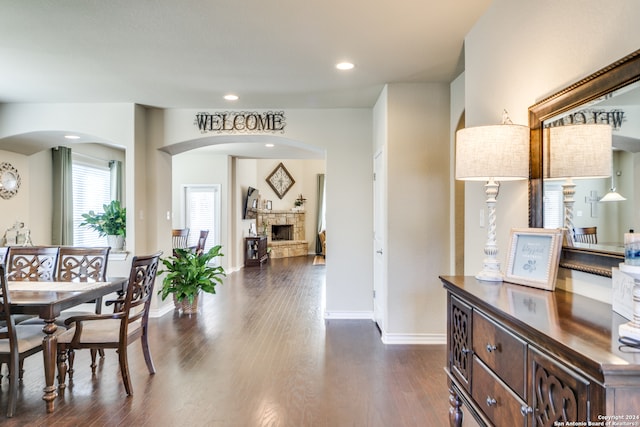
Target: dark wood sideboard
(519,356)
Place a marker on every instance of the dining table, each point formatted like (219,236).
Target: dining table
(46,299)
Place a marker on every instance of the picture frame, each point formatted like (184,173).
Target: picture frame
(533,257)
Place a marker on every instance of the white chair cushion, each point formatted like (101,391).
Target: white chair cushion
(29,336)
(99,331)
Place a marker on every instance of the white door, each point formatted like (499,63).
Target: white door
(379,233)
(202,212)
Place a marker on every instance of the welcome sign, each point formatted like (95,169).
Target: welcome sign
(241,121)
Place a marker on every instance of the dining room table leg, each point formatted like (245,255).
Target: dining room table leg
(50,351)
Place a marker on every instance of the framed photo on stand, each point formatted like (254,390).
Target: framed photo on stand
(534,256)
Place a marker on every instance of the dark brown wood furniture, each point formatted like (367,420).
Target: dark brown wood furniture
(202,240)
(179,238)
(530,357)
(116,330)
(255,251)
(31,263)
(47,304)
(16,343)
(585,235)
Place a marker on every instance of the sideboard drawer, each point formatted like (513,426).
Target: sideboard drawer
(496,400)
(501,351)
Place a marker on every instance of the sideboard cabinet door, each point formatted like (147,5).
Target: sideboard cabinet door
(557,393)
(460,361)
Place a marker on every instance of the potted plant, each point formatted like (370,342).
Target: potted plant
(111,223)
(188,274)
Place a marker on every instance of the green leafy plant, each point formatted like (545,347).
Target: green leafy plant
(189,273)
(111,222)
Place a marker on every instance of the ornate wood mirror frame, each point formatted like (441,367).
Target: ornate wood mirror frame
(600,83)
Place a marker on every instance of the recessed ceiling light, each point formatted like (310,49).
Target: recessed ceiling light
(72,136)
(344,66)
(269,145)
(231,97)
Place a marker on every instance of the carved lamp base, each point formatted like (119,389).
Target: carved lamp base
(631,329)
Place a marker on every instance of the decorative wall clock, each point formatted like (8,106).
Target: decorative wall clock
(9,180)
(280,180)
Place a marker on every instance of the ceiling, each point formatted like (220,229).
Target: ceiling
(189,53)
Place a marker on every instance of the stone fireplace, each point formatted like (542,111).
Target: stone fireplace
(285,232)
(281,232)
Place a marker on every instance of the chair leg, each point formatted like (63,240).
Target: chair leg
(147,353)
(14,366)
(101,352)
(62,368)
(72,357)
(124,369)
(94,353)
(21,370)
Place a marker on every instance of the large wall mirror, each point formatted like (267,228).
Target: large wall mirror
(611,95)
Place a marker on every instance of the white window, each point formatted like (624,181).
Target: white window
(202,212)
(91,190)
(553,206)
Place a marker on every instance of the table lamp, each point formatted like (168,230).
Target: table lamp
(492,154)
(577,152)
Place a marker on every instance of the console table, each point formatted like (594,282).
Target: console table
(530,357)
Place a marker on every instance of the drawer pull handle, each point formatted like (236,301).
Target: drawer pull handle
(465,350)
(526,410)
(491,348)
(490,401)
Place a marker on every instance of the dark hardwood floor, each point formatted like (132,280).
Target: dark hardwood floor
(259,353)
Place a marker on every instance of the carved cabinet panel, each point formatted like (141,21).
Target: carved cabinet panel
(558,394)
(460,341)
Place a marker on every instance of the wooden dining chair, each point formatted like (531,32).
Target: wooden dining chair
(116,330)
(202,240)
(585,235)
(179,238)
(31,263)
(16,343)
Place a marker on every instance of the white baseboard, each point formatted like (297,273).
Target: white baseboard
(161,311)
(349,315)
(421,339)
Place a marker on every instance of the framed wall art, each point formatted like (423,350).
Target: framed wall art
(533,258)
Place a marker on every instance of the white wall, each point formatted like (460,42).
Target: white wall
(417,250)
(345,134)
(518,53)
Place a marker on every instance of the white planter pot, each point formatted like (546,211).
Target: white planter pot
(116,242)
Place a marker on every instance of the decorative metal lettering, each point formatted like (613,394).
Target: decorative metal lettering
(241,122)
(615,118)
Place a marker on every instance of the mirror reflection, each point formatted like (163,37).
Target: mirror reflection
(611,216)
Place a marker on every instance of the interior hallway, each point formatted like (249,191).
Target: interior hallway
(259,353)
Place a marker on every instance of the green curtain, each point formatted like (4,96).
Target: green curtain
(115,166)
(320,212)
(62,227)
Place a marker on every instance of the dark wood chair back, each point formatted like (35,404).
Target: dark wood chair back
(31,263)
(585,235)
(82,264)
(201,241)
(179,238)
